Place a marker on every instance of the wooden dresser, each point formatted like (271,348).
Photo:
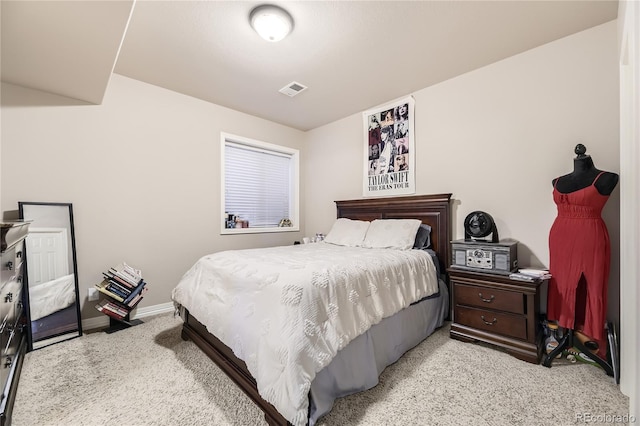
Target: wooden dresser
(12,315)
(494,309)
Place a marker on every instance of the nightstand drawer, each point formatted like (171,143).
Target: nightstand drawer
(488,298)
(492,321)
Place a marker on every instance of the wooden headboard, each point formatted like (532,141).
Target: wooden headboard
(434,210)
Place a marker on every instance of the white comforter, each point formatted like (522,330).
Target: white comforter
(286,311)
(51,296)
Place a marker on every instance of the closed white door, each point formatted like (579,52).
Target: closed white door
(48,255)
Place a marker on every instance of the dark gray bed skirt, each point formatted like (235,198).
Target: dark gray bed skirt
(358,366)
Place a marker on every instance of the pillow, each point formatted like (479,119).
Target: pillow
(423,237)
(434,256)
(347,232)
(392,233)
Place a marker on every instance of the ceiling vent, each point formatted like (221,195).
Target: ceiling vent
(292,89)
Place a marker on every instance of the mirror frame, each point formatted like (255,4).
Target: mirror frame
(56,337)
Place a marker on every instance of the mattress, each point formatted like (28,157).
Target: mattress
(51,296)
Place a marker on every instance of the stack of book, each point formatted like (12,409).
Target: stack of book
(530,274)
(125,287)
(112,309)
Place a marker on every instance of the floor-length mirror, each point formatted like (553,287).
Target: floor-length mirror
(52,302)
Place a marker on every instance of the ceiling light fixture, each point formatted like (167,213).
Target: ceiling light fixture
(273,23)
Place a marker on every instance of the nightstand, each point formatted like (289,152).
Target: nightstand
(494,309)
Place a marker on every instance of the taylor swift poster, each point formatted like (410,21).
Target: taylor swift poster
(389,150)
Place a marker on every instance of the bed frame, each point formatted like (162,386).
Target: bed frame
(433,210)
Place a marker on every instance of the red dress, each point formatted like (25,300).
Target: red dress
(579,246)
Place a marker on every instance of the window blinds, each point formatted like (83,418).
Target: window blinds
(257,184)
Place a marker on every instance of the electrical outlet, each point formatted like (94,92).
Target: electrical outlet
(93,294)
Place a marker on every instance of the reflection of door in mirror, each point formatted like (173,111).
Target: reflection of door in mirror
(49,256)
(52,304)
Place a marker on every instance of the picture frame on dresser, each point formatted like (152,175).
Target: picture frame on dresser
(52,301)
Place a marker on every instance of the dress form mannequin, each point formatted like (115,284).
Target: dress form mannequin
(583,175)
(579,259)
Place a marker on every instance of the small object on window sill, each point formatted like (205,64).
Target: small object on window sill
(285,223)
(241,223)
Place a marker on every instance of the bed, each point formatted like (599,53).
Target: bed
(52,307)
(350,360)
(52,296)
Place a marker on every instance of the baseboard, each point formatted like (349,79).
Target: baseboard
(138,313)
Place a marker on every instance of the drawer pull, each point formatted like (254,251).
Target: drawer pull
(12,332)
(489,300)
(495,320)
(10,266)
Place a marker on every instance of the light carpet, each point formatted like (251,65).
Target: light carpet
(147,375)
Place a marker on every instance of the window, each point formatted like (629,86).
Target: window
(259,186)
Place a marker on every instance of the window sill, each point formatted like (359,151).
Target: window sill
(234,231)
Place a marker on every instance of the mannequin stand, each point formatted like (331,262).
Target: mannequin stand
(569,340)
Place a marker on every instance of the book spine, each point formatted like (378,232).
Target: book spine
(117,291)
(121,306)
(117,309)
(120,271)
(102,287)
(109,308)
(132,304)
(132,272)
(122,289)
(112,314)
(105,309)
(128,278)
(135,292)
(135,302)
(111,277)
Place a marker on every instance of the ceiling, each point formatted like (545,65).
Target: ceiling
(352,55)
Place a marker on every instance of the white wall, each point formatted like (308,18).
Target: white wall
(495,138)
(629,30)
(141,170)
